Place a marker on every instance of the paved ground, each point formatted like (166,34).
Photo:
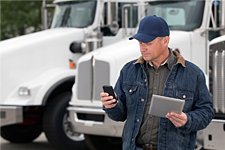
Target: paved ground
(39,144)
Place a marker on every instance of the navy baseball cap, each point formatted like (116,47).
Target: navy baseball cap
(151,27)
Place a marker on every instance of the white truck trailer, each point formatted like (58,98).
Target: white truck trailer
(37,70)
(193,24)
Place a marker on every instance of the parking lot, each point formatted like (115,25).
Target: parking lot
(39,144)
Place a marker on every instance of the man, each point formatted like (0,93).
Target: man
(164,72)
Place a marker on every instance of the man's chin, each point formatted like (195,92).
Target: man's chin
(146,58)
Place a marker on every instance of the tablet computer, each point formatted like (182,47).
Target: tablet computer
(161,105)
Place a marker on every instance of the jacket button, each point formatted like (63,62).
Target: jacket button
(130,90)
(142,99)
(138,120)
(184,96)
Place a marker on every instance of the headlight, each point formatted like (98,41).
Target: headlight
(24,91)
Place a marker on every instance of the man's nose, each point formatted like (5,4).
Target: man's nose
(143,49)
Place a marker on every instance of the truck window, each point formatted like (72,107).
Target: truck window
(114,16)
(216,20)
(76,14)
(132,11)
(180,15)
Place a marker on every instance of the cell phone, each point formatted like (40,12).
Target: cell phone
(109,89)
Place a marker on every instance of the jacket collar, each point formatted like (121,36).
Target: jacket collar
(176,52)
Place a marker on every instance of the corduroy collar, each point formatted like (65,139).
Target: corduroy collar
(176,52)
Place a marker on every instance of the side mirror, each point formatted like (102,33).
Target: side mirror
(114,27)
(75,47)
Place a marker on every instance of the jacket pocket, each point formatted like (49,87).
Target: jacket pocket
(130,91)
(188,96)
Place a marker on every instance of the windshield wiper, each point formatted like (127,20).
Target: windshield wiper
(65,17)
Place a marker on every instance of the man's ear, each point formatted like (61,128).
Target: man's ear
(166,40)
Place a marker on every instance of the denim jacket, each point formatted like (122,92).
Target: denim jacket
(185,81)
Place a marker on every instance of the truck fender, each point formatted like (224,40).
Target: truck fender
(38,90)
(62,85)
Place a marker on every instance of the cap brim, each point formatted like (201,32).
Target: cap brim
(142,37)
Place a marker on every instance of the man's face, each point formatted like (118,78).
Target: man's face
(154,49)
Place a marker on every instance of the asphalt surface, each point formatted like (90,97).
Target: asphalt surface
(39,144)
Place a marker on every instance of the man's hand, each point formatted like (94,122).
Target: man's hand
(178,120)
(107,101)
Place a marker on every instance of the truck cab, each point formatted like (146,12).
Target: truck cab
(38,69)
(193,24)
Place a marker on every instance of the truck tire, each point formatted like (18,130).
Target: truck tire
(19,133)
(56,126)
(103,143)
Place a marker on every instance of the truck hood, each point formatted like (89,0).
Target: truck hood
(26,58)
(105,64)
(40,37)
(126,50)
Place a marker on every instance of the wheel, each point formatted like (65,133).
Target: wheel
(19,133)
(56,126)
(103,143)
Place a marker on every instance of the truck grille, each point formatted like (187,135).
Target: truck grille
(217,76)
(92,74)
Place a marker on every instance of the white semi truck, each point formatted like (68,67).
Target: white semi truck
(193,24)
(37,70)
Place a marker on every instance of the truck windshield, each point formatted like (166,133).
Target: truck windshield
(179,14)
(78,14)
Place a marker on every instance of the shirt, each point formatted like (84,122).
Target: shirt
(156,78)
